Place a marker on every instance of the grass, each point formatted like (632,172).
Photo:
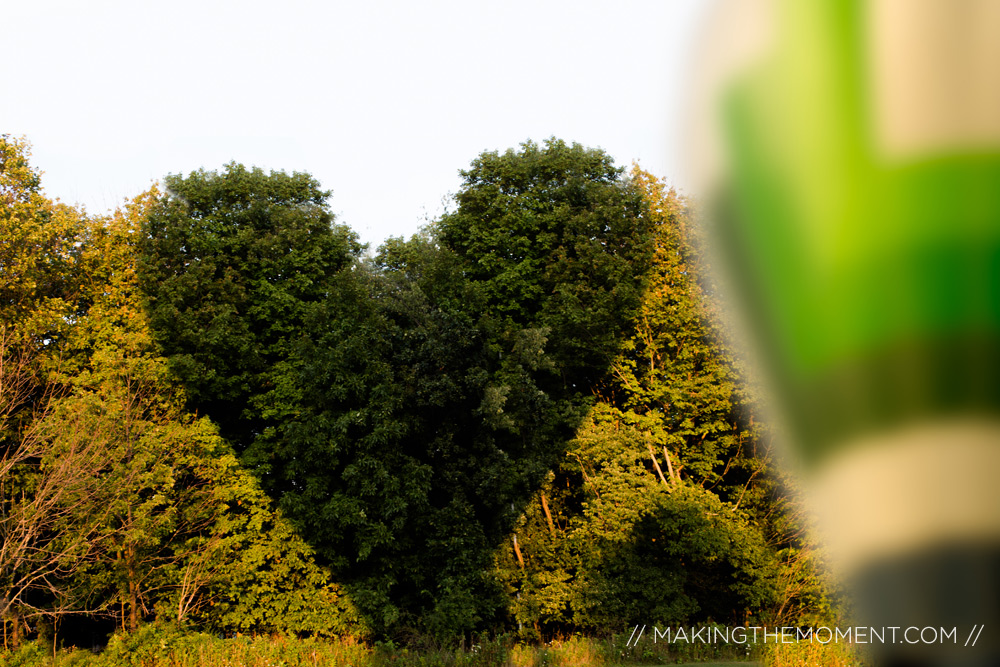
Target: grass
(164,646)
(806,654)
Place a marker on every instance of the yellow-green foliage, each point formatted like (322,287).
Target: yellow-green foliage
(115,498)
(806,654)
(162,645)
(661,508)
(574,652)
(226,421)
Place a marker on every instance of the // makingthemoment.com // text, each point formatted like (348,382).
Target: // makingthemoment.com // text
(712,634)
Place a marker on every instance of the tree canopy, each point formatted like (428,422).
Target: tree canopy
(216,409)
(230,264)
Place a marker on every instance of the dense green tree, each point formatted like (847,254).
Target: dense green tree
(557,239)
(231,264)
(487,330)
(422,429)
(669,550)
(115,500)
(198,540)
(214,411)
(402,410)
(656,511)
(254,573)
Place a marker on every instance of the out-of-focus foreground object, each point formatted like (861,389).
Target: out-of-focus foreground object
(849,156)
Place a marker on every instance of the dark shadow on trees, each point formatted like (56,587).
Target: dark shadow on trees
(402,410)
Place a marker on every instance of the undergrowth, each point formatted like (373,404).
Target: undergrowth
(165,646)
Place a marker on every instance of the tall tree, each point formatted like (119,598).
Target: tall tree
(190,525)
(38,250)
(113,498)
(403,410)
(557,239)
(52,512)
(42,539)
(498,320)
(231,263)
(655,511)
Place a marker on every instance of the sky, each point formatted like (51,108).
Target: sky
(383,102)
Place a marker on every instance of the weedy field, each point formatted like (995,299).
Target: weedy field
(163,646)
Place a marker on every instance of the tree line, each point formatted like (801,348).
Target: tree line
(218,408)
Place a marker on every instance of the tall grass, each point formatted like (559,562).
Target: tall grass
(165,646)
(810,654)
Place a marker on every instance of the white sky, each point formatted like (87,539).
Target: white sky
(383,102)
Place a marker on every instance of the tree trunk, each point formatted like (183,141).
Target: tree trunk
(133,585)
(670,468)
(517,551)
(548,515)
(656,464)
